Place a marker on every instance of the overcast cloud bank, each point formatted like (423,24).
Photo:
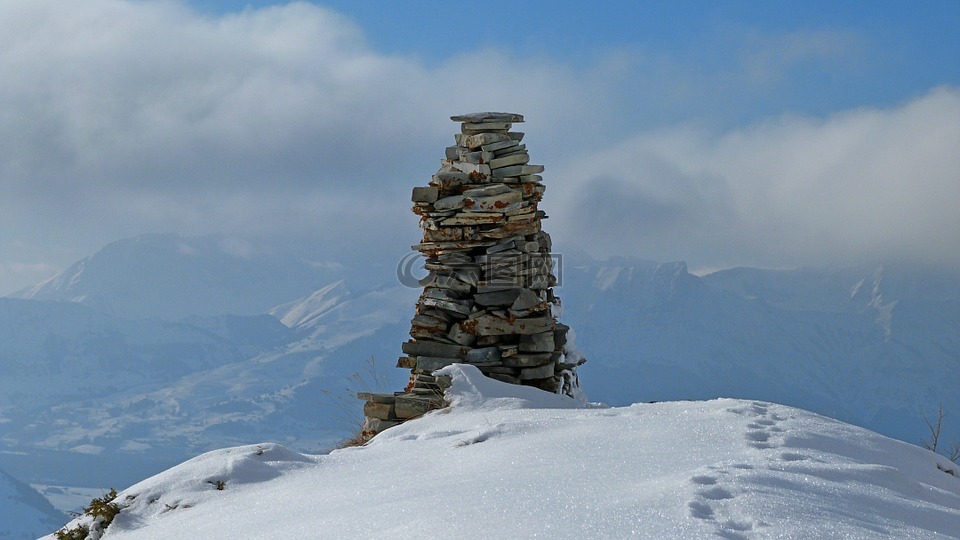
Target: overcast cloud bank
(121,118)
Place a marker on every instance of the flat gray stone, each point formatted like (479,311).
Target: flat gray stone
(406,362)
(560,335)
(485,341)
(491,325)
(440,294)
(446,282)
(517,170)
(376,398)
(528,300)
(459,336)
(472,168)
(529,247)
(541,372)
(488,117)
(506,244)
(520,158)
(467,274)
(494,287)
(433,348)
(449,180)
(506,151)
(522,360)
(498,298)
(383,411)
(455,258)
(447,234)
(409,406)
(546,243)
(501,369)
(484,355)
(538,343)
(477,157)
(476,141)
(461,307)
(428,325)
(429,364)
(479,127)
(474,218)
(492,203)
(454,202)
(425,194)
(500,146)
(486,191)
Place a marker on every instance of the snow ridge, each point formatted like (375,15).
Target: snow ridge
(502,463)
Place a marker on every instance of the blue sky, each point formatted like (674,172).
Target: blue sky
(771,134)
(893,50)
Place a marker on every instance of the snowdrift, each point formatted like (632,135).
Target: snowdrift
(514,462)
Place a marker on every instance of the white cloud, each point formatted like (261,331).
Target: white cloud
(120,118)
(865,184)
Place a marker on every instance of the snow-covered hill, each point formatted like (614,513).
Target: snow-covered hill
(515,462)
(27,513)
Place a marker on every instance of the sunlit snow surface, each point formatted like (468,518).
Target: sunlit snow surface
(514,462)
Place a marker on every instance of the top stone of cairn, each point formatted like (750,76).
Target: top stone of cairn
(485,117)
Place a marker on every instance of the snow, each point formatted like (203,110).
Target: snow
(513,462)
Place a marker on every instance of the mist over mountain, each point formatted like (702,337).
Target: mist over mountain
(172,277)
(874,345)
(160,347)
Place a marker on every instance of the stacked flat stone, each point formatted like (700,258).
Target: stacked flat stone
(488,299)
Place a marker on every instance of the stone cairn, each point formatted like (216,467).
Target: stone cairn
(488,298)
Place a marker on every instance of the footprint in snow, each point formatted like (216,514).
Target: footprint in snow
(715,493)
(700,510)
(704,480)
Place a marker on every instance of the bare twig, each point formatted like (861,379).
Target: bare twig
(934,440)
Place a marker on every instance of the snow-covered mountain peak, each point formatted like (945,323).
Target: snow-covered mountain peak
(304,311)
(172,277)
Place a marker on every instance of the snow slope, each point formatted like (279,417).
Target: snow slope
(32,515)
(515,462)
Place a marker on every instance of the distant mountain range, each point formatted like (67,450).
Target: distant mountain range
(160,347)
(877,346)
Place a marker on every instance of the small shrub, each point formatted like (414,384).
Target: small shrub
(104,507)
(79,532)
(101,509)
